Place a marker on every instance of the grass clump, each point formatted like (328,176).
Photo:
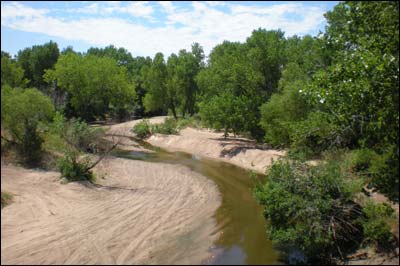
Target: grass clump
(169,127)
(6,199)
(142,129)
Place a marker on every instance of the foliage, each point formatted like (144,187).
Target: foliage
(21,113)
(30,147)
(360,88)
(95,86)
(285,107)
(193,121)
(154,81)
(316,133)
(142,129)
(226,112)
(171,85)
(6,199)
(231,79)
(374,223)
(310,208)
(75,170)
(11,73)
(35,60)
(384,172)
(266,51)
(74,138)
(168,127)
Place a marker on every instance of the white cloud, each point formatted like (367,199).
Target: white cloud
(200,22)
(139,9)
(168,6)
(16,10)
(136,9)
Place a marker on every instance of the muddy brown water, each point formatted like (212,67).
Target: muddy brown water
(243,239)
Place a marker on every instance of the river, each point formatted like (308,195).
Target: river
(243,239)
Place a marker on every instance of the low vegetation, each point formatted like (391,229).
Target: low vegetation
(78,143)
(171,126)
(313,208)
(6,199)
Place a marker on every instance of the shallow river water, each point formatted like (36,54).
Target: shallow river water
(239,218)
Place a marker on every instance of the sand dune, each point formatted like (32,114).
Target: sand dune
(141,213)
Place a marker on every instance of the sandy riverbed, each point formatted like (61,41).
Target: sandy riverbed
(202,142)
(141,213)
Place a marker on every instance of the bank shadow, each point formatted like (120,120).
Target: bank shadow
(238,145)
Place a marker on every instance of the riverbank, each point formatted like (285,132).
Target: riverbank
(133,215)
(242,152)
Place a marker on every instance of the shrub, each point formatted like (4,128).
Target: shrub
(384,172)
(74,138)
(310,208)
(380,170)
(22,113)
(168,127)
(374,223)
(361,160)
(30,146)
(316,134)
(142,129)
(6,199)
(193,121)
(73,170)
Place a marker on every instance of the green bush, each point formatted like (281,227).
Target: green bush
(362,159)
(30,146)
(374,223)
(193,121)
(316,134)
(73,170)
(6,199)
(380,171)
(22,114)
(384,172)
(285,107)
(142,129)
(168,127)
(310,208)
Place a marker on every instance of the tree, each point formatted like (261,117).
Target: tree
(360,88)
(121,55)
(11,73)
(154,80)
(226,112)
(94,86)
(36,60)
(230,71)
(22,111)
(285,107)
(266,51)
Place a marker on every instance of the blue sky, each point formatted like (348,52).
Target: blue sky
(144,28)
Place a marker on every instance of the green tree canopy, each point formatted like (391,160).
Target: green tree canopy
(95,86)
(11,73)
(36,60)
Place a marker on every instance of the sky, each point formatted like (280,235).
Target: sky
(146,27)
